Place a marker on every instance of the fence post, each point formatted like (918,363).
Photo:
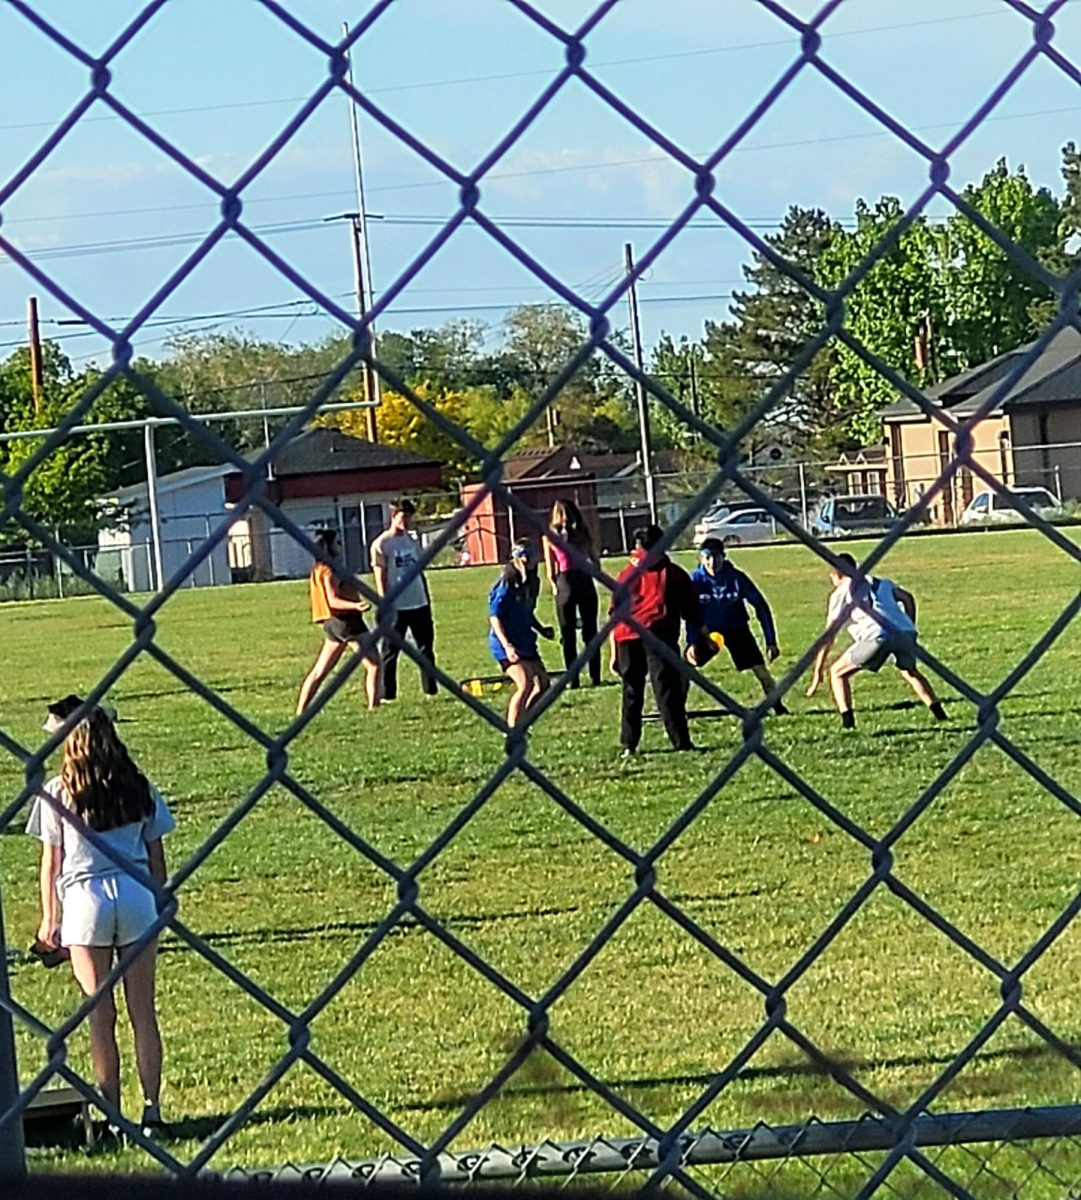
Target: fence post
(210,556)
(12,1149)
(803,493)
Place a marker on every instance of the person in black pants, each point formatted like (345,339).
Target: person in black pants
(574,590)
(394,562)
(661,598)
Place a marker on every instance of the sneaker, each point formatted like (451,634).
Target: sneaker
(848,720)
(780,709)
(107,1137)
(938,712)
(626,752)
(151,1123)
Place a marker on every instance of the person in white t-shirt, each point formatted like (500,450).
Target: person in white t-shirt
(395,554)
(881,619)
(96,908)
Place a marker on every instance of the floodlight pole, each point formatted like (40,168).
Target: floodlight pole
(639,387)
(152,497)
(362,262)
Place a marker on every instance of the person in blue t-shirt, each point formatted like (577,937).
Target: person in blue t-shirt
(512,636)
(723,594)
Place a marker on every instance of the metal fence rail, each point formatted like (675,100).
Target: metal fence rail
(890,1139)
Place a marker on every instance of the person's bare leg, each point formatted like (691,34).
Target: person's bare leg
(90,965)
(919,684)
(139,989)
(840,685)
(372,662)
(519,675)
(329,653)
(541,684)
(767,682)
(373,668)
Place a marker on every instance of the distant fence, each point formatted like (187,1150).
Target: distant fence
(910,1142)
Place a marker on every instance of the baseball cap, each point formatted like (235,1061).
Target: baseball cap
(60,710)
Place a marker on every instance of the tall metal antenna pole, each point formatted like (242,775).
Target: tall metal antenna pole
(362,262)
(639,389)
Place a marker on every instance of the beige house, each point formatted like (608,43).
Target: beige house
(1030,434)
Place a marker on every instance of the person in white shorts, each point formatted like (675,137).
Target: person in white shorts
(882,622)
(103,909)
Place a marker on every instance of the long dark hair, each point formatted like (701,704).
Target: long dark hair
(525,588)
(104,785)
(567,519)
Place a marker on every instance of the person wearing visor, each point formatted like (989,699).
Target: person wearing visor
(723,595)
(513,629)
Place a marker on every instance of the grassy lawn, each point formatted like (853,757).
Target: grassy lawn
(527,887)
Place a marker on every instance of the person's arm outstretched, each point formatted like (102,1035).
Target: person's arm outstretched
(758,602)
(819,667)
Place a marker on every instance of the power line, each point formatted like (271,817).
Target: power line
(532,73)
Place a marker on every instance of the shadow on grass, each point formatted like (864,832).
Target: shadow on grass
(361,929)
(793,1070)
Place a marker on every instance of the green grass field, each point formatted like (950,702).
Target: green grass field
(654,1015)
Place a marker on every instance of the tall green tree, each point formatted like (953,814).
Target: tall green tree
(991,303)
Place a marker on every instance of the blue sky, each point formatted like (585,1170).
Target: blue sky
(110,218)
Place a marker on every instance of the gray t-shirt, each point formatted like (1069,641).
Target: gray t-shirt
(81,859)
(398,554)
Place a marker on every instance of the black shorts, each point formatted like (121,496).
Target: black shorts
(743,649)
(505,663)
(345,627)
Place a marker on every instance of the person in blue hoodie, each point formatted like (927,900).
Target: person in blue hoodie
(723,594)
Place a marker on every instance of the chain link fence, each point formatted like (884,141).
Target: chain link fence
(923,1144)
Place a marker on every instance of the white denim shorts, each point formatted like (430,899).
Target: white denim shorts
(109,910)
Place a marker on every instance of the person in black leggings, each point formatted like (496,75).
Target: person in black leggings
(574,590)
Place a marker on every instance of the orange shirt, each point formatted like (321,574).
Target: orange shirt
(322,601)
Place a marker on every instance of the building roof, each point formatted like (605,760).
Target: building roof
(175,481)
(1054,377)
(323,451)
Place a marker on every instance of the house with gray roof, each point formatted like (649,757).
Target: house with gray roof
(1029,433)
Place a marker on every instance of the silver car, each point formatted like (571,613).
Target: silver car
(991,508)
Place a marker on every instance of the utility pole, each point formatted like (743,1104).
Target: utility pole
(362,263)
(34,332)
(639,387)
(150,453)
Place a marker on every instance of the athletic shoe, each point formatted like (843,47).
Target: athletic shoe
(626,752)
(938,712)
(151,1123)
(781,710)
(848,720)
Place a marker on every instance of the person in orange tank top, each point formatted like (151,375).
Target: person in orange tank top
(337,607)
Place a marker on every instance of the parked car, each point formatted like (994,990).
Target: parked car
(739,528)
(991,508)
(854,513)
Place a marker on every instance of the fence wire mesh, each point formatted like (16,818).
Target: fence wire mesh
(914,1144)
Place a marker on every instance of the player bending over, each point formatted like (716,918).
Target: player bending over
(890,631)
(723,594)
(513,629)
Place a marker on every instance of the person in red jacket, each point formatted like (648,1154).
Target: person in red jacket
(661,599)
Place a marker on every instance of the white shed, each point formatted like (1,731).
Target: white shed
(191,503)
